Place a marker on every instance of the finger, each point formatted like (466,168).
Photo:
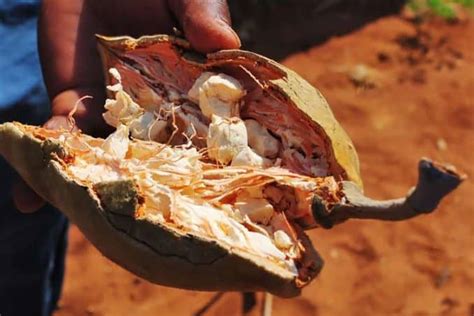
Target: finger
(24,198)
(67,46)
(82,108)
(206,24)
(70,61)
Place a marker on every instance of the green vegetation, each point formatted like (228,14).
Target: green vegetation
(447,9)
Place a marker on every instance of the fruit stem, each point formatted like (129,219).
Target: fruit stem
(435,181)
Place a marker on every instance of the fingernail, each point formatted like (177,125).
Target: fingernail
(236,36)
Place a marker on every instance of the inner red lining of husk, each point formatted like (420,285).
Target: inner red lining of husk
(160,67)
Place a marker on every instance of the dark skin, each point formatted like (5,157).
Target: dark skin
(71,65)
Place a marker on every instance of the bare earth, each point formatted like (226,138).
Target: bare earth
(400,96)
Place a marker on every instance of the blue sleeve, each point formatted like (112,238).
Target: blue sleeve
(21,81)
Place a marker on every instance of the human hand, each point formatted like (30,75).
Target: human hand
(71,64)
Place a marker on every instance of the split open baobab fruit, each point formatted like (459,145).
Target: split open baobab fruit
(217,166)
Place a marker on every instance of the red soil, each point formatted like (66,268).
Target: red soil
(400,95)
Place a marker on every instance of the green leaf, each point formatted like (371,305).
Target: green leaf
(442,8)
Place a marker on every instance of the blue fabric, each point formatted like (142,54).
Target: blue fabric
(32,246)
(20,71)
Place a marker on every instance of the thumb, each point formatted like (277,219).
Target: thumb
(206,24)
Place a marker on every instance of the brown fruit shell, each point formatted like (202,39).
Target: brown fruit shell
(278,81)
(157,253)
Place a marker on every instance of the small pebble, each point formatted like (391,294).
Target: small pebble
(441,144)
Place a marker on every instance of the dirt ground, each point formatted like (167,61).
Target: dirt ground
(401,94)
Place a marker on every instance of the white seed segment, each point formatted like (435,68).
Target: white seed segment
(258,210)
(116,144)
(193,93)
(210,106)
(261,140)
(248,158)
(148,127)
(217,94)
(121,110)
(282,240)
(226,138)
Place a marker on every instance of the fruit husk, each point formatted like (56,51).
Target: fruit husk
(278,82)
(153,251)
(160,254)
